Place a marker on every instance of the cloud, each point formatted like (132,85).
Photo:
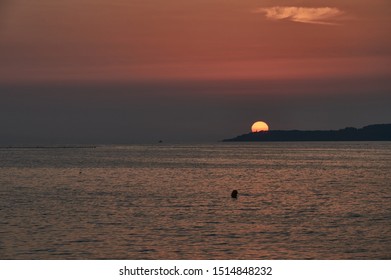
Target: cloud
(323,15)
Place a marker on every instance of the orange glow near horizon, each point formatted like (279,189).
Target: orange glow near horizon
(259,126)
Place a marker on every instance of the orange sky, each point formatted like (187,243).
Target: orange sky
(117,71)
(119,40)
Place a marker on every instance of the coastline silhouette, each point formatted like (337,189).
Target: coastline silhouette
(376,132)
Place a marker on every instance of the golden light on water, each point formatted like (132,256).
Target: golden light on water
(259,126)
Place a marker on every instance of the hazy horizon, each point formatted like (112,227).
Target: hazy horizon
(196,71)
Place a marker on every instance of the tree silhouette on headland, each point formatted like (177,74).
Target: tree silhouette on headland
(376,132)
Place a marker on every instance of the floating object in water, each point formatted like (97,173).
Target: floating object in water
(234,194)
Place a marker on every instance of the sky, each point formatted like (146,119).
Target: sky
(139,71)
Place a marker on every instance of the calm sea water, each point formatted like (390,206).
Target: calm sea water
(296,201)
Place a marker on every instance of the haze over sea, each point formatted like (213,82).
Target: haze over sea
(297,200)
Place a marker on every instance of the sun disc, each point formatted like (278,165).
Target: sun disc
(259,126)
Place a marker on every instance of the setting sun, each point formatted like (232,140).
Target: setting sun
(259,126)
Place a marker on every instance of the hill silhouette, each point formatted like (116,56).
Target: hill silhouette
(375,132)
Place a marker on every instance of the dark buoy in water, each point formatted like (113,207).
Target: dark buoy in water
(234,194)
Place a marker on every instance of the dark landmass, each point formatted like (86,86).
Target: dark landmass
(376,132)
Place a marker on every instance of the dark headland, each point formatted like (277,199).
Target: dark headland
(375,132)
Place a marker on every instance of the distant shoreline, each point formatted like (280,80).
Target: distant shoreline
(375,132)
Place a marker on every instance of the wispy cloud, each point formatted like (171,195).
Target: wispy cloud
(323,15)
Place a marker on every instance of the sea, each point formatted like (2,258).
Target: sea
(296,200)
